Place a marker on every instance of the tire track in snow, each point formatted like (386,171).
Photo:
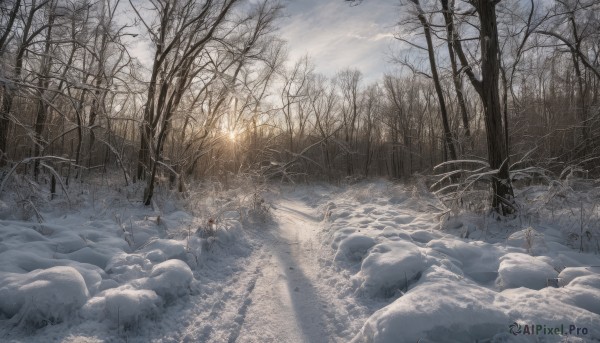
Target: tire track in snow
(277,293)
(239,320)
(209,314)
(228,311)
(288,303)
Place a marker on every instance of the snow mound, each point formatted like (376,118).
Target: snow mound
(457,249)
(128,306)
(389,267)
(522,270)
(93,256)
(92,275)
(335,215)
(354,247)
(170,279)
(229,231)
(584,292)
(44,296)
(124,267)
(443,308)
(68,242)
(570,273)
(395,234)
(340,235)
(529,239)
(161,250)
(423,236)
(553,306)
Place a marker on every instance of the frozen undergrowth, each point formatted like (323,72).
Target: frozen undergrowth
(373,261)
(101,261)
(456,276)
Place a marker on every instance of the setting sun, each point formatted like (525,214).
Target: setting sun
(300,171)
(232,135)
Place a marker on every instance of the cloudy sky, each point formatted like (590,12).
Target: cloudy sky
(336,35)
(333,33)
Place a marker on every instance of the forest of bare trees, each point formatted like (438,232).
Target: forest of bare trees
(502,88)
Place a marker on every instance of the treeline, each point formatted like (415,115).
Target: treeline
(216,95)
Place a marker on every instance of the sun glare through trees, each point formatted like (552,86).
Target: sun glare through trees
(299,171)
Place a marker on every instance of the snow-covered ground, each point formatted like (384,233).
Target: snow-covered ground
(397,244)
(372,262)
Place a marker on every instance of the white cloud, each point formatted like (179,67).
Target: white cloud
(332,32)
(337,35)
(381,36)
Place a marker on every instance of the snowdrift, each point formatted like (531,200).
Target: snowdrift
(437,285)
(116,264)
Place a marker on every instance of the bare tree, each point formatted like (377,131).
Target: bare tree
(6,35)
(372,105)
(293,94)
(487,88)
(427,31)
(43,85)
(448,12)
(580,34)
(180,35)
(349,82)
(323,100)
(29,31)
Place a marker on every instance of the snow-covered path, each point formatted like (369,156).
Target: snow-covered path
(286,302)
(278,293)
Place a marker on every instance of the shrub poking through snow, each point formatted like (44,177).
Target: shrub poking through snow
(530,240)
(42,297)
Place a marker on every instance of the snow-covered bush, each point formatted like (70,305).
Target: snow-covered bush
(124,267)
(528,239)
(160,250)
(170,279)
(583,292)
(127,307)
(354,247)
(245,196)
(42,297)
(522,270)
(389,268)
(571,273)
(442,308)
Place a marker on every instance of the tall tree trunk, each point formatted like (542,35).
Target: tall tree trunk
(42,107)
(6,97)
(436,80)
(488,91)
(497,149)
(7,100)
(448,11)
(582,90)
(505,108)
